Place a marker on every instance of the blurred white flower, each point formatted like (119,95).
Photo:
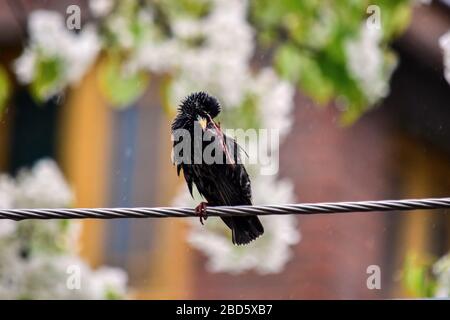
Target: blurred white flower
(11,270)
(108,282)
(7,228)
(48,31)
(444,42)
(122,31)
(158,57)
(46,277)
(42,186)
(101,8)
(103,283)
(25,66)
(275,100)
(83,53)
(220,64)
(51,40)
(442,271)
(129,30)
(7,190)
(268,254)
(35,255)
(366,63)
(229,46)
(187,28)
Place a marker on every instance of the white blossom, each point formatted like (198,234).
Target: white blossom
(43,185)
(83,53)
(37,267)
(188,28)
(275,100)
(122,31)
(101,8)
(220,64)
(50,39)
(442,271)
(25,66)
(7,228)
(158,57)
(93,284)
(48,31)
(444,42)
(267,254)
(11,270)
(7,190)
(48,277)
(109,281)
(365,62)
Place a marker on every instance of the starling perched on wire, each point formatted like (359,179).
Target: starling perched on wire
(221,182)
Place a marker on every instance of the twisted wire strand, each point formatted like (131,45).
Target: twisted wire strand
(165,212)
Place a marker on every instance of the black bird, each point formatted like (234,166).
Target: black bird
(222,182)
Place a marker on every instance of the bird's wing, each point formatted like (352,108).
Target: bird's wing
(232,182)
(187,171)
(188,176)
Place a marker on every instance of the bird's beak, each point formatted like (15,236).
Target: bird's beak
(203,123)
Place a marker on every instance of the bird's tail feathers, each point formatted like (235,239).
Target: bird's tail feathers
(245,229)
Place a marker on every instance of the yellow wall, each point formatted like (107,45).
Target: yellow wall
(425,172)
(84,152)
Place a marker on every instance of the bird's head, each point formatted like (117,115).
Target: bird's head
(198,106)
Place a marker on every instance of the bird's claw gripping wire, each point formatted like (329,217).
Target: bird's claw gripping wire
(200,210)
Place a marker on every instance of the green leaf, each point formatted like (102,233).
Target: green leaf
(309,40)
(351,113)
(314,79)
(4,90)
(244,116)
(288,62)
(120,88)
(395,17)
(417,277)
(49,74)
(169,10)
(110,294)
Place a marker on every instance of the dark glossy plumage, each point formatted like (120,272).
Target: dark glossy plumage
(225,183)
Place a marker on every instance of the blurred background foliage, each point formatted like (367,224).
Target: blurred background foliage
(306,41)
(418,276)
(309,40)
